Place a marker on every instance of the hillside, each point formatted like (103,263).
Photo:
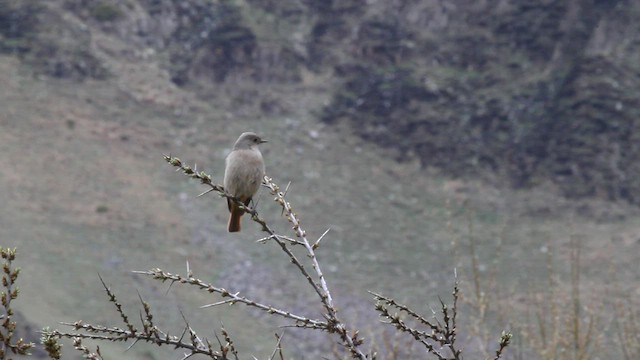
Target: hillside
(515,127)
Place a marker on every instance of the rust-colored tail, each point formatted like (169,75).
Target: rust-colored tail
(234,218)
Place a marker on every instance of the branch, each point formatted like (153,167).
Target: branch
(301,321)
(334,324)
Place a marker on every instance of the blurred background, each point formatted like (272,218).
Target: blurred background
(498,138)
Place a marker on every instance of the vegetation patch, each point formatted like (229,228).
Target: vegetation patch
(105,11)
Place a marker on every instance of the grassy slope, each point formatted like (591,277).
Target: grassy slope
(71,149)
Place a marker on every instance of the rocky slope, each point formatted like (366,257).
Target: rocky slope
(531,90)
(534,91)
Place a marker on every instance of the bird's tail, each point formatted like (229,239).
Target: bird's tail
(234,218)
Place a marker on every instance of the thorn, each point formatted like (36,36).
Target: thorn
(140,296)
(317,243)
(218,303)
(256,202)
(186,356)
(184,332)
(286,189)
(206,192)
(103,283)
(130,346)
(218,338)
(169,288)
(264,239)
(184,318)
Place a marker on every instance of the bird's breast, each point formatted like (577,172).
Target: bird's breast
(243,173)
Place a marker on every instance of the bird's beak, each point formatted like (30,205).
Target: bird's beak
(262,141)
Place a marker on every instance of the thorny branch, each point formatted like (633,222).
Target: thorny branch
(438,337)
(301,321)
(333,324)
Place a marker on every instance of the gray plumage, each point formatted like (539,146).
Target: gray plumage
(243,174)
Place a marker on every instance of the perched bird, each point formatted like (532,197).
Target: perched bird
(243,174)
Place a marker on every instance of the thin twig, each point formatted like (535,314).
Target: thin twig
(277,349)
(174,278)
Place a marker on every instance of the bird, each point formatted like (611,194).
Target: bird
(243,173)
